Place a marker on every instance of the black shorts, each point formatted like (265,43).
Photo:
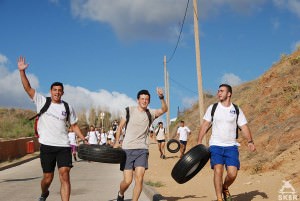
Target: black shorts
(160,141)
(50,155)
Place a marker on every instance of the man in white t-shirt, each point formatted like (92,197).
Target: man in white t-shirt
(53,134)
(93,135)
(161,139)
(183,132)
(223,144)
(110,137)
(103,137)
(135,143)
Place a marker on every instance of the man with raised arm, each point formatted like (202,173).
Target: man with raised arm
(53,134)
(137,120)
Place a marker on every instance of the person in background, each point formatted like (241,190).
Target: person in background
(183,132)
(110,137)
(161,139)
(73,142)
(103,137)
(92,136)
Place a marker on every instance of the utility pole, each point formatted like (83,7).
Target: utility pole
(166,78)
(198,64)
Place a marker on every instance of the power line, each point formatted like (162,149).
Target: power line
(187,5)
(181,85)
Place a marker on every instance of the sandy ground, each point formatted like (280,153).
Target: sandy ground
(254,187)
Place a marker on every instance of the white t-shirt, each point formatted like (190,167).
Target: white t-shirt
(72,138)
(52,126)
(160,133)
(111,134)
(103,138)
(92,137)
(224,125)
(183,133)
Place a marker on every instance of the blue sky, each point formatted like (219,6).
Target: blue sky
(104,51)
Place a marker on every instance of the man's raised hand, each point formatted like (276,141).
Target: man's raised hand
(22,65)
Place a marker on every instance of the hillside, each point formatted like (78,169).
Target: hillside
(271,104)
(14,123)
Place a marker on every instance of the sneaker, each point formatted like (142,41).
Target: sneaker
(120,198)
(44,196)
(226,195)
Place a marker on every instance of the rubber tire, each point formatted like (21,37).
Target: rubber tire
(173,150)
(102,154)
(190,164)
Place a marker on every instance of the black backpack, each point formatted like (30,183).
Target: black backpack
(237,111)
(43,110)
(128,116)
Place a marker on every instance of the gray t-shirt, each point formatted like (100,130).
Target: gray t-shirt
(136,136)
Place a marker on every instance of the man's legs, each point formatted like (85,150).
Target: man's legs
(139,177)
(218,179)
(182,149)
(162,146)
(65,188)
(230,177)
(125,183)
(46,182)
(159,148)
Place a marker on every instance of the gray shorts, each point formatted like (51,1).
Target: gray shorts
(135,158)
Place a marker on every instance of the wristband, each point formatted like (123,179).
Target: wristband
(161,97)
(250,142)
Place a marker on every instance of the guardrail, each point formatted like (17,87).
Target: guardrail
(13,149)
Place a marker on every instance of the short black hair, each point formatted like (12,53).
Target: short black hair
(159,123)
(181,121)
(143,92)
(57,84)
(229,88)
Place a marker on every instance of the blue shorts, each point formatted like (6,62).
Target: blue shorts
(183,142)
(228,156)
(135,158)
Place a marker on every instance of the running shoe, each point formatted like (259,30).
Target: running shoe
(120,198)
(226,194)
(44,196)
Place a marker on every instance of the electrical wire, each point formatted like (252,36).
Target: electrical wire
(182,86)
(187,5)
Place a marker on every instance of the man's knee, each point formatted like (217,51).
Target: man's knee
(64,174)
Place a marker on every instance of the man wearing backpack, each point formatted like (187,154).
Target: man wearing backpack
(225,117)
(53,134)
(137,120)
(161,139)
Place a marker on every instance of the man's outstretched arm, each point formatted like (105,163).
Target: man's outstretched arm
(22,65)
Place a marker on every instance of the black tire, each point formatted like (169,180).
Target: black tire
(173,141)
(102,154)
(190,164)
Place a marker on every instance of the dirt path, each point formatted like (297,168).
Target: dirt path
(247,187)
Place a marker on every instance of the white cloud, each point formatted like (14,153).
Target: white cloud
(155,19)
(3,59)
(12,94)
(275,24)
(231,79)
(188,102)
(292,5)
(296,45)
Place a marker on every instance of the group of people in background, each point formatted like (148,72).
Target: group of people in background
(95,135)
